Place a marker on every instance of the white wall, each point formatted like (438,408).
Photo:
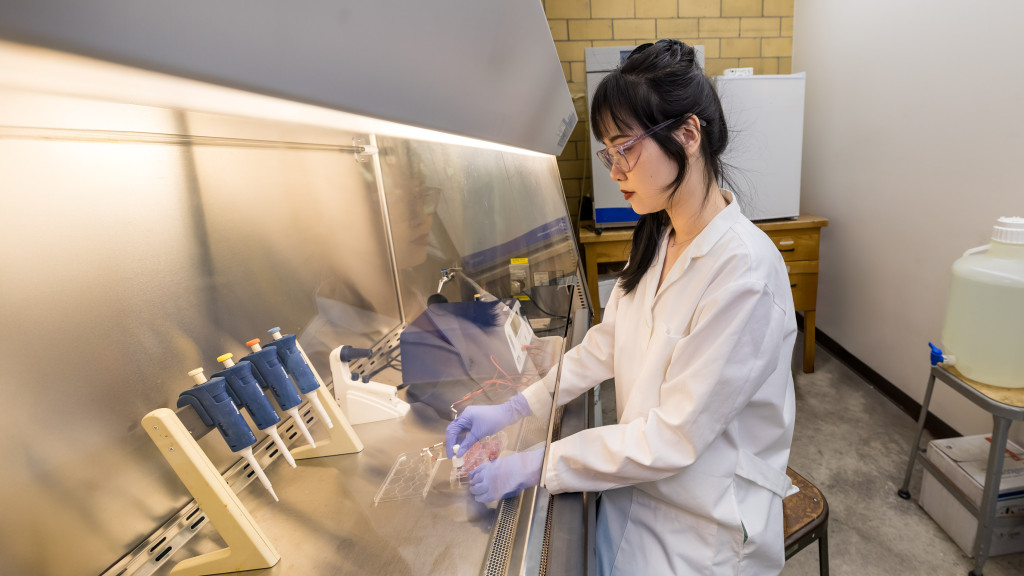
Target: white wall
(913,146)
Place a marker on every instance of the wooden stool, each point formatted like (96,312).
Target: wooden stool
(806,519)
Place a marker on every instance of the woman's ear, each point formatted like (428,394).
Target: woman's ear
(689,135)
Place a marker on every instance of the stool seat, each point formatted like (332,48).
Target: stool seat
(806,520)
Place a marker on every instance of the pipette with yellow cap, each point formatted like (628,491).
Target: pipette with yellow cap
(245,390)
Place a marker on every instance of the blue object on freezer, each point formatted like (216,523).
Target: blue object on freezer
(294,363)
(213,404)
(246,391)
(271,375)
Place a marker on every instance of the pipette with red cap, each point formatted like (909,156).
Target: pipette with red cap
(272,376)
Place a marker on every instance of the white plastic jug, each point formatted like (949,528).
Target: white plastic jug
(984,327)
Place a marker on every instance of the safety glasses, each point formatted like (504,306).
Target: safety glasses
(618,156)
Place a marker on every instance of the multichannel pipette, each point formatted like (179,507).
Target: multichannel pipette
(245,390)
(211,401)
(271,375)
(295,364)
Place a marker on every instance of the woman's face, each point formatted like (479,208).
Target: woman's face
(644,185)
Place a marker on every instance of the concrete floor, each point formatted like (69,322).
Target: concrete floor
(852,443)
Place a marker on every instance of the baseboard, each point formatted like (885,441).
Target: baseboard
(911,407)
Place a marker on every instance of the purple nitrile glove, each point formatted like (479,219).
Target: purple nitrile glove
(506,476)
(481,421)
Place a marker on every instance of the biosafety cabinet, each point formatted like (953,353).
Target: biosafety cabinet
(377,179)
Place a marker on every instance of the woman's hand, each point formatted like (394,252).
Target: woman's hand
(478,422)
(506,476)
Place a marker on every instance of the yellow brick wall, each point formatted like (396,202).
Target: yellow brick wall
(735,33)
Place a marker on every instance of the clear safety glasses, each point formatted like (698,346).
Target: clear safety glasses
(618,156)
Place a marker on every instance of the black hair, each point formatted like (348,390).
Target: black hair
(656,83)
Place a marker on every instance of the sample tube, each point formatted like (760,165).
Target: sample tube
(271,375)
(245,390)
(211,401)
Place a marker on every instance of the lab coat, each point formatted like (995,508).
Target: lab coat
(693,473)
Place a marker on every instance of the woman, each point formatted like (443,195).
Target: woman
(698,335)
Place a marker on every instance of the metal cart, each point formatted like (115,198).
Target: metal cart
(1005,405)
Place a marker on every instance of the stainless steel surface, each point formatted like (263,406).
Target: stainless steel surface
(141,241)
(127,264)
(125,136)
(388,234)
(567,536)
(161,546)
(570,523)
(327,524)
(486,70)
(529,540)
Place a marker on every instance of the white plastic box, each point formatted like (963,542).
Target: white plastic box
(964,460)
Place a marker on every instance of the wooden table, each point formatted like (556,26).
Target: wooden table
(796,239)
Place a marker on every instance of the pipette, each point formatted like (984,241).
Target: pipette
(294,362)
(211,401)
(271,375)
(245,390)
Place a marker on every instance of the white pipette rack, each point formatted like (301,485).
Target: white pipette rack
(248,547)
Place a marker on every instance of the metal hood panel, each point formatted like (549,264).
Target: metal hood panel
(486,70)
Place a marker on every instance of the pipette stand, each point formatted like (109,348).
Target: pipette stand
(248,548)
(364,402)
(341,439)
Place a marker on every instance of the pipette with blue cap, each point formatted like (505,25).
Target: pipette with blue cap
(212,402)
(245,391)
(294,362)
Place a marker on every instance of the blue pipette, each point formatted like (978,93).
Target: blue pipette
(294,362)
(271,375)
(211,401)
(245,391)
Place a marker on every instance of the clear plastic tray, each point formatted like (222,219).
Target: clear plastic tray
(411,476)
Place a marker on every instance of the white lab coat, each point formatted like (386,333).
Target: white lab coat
(693,474)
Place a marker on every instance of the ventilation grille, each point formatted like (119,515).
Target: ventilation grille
(581,302)
(500,553)
(546,546)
